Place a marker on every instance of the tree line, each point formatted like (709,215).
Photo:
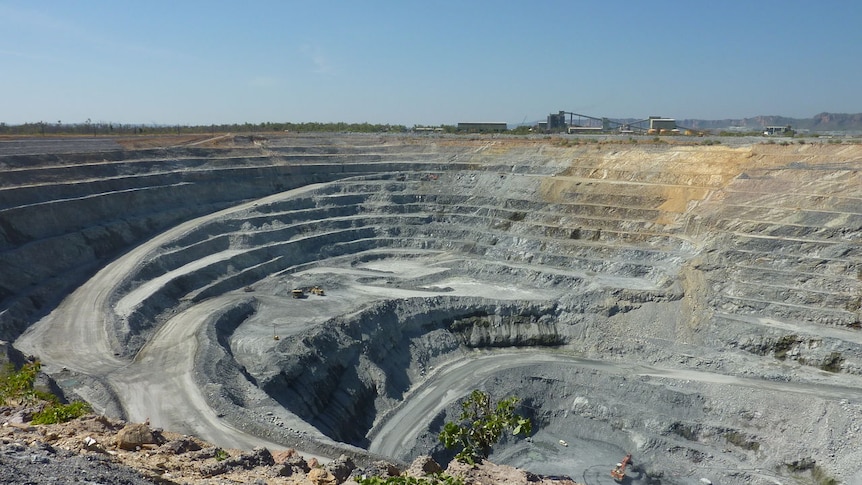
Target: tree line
(90,128)
(102,128)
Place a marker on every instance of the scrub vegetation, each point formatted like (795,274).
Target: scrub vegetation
(481,425)
(17,388)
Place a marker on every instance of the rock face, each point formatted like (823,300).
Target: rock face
(81,450)
(671,300)
(9,355)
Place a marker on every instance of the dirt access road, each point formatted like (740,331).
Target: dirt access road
(156,384)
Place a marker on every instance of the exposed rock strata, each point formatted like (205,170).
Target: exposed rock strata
(707,282)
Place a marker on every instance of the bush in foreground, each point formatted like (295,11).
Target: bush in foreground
(435,479)
(16,387)
(481,426)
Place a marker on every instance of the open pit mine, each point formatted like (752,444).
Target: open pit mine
(694,305)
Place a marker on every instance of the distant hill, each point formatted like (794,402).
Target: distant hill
(823,122)
(820,123)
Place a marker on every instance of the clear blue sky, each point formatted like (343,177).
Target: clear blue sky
(425,62)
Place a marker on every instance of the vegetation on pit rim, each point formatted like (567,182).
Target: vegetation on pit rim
(433,479)
(90,128)
(16,388)
(481,425)
(60,413)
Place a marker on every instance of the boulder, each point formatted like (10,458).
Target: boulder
(248,461)
(179,446)
(381,469)
(134,435)
(285,470)
(422,466)
(205,453)
(91,444)
(282,455)
(297,462)
(260,456)
(320,476)
(341,467)
(214,469)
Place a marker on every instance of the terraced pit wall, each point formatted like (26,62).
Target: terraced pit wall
(714,290)
(62,216)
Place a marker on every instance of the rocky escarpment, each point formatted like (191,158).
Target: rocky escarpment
(95,449)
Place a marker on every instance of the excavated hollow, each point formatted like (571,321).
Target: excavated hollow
(696,306)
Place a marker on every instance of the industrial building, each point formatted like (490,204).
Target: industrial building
(557,122)
(661,125)
(778,130)
(572,123)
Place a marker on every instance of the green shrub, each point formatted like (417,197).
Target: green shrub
(481,426)
(60,413)
(16,386)
(433,479)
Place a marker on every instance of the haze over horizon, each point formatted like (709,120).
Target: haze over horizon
(430,63)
